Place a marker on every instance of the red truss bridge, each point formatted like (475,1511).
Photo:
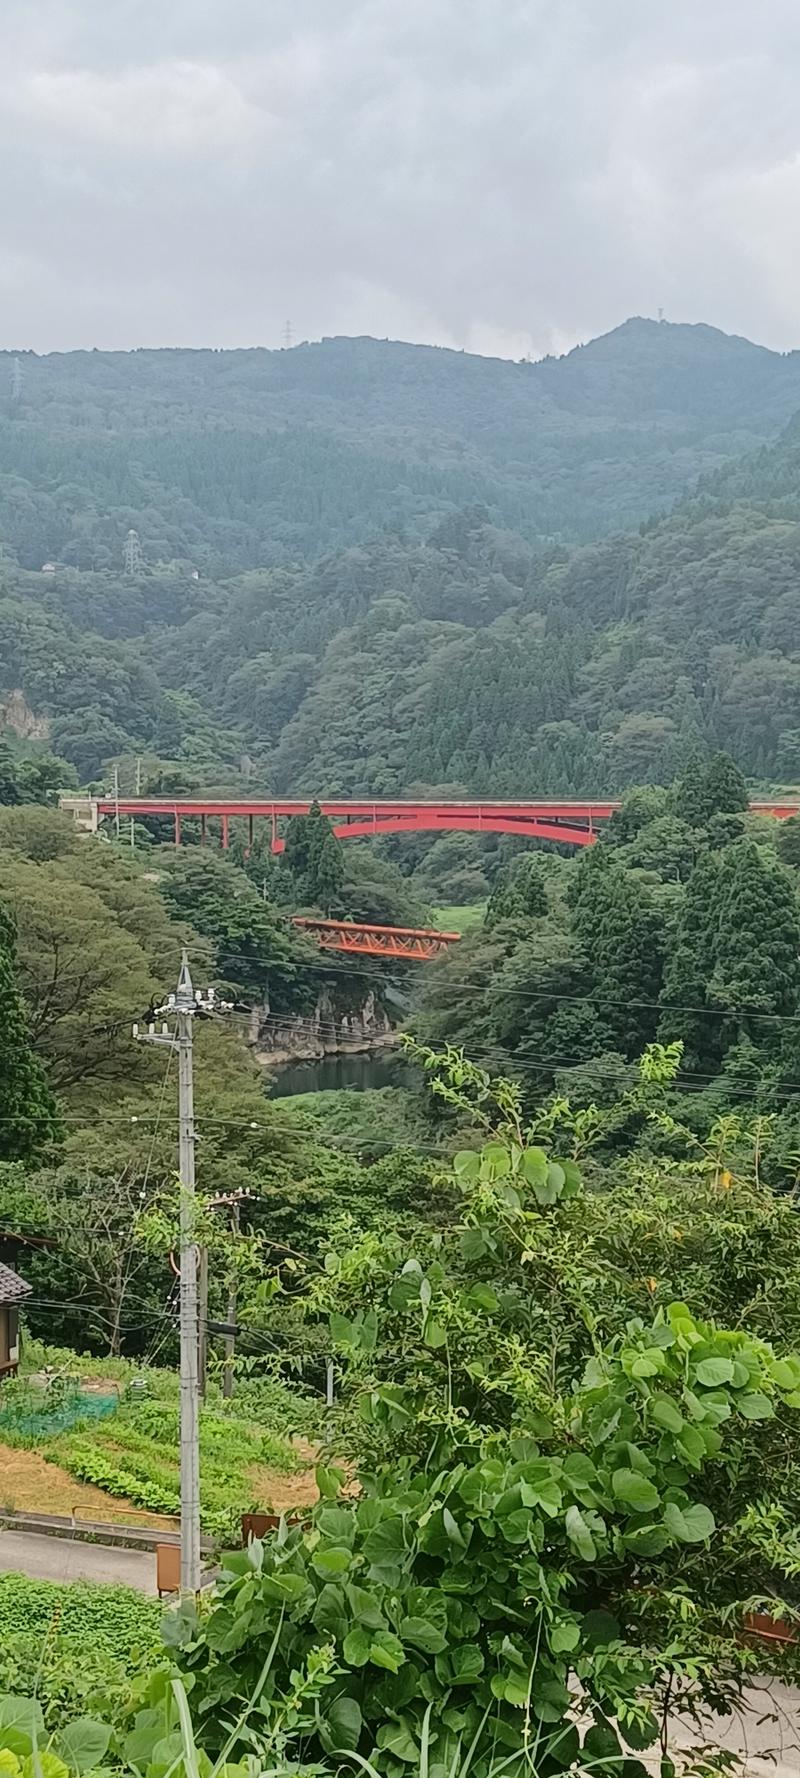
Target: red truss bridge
(570,823)
(415,944)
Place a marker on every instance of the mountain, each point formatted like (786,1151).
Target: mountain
(236,460)
(457,649)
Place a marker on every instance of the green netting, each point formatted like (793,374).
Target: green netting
(31,1413)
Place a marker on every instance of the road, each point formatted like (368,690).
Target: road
(60,1558)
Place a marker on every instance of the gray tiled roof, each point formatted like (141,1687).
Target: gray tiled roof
(12,1287)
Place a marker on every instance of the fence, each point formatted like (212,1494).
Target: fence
(29,1412)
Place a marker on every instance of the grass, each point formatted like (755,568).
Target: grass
(455,919)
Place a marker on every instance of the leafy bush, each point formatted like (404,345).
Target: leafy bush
(76,1645)
(285,1411)
(532,1572)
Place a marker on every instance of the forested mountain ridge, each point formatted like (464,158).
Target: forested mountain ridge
(469,656)
(233,460)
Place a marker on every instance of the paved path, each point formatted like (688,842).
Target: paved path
(59,1558)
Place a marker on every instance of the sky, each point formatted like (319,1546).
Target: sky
(504,176)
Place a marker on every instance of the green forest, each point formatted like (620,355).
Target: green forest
(425,626)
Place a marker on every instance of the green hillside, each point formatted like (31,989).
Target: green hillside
(463,641)
(233,460)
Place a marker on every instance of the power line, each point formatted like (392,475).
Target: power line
(465,985)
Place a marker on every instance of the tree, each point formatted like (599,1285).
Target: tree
(95,1263)
(621,931)
(689,967)
(258,953)
(788,841)
(709,787)
(520,892)
(725,788)
(28,1119)
(314,858)
(757,940)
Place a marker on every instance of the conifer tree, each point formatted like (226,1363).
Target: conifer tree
(725,788)
(757,950)
(519,893)
(28,1116)
(689,969)
(710,787)
(313,855)
(622,933)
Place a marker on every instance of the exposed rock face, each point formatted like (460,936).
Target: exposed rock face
(16,714)
(324,1032)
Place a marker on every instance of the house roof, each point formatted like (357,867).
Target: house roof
(12,1287)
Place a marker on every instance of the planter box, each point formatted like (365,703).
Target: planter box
(260,1524)
(770,1629)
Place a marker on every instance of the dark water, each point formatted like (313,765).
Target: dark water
(383,1068)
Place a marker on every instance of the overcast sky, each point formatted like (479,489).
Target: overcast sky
(509,176)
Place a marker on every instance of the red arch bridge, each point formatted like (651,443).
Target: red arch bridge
(570,823)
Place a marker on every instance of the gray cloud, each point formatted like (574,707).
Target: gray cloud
(503,175)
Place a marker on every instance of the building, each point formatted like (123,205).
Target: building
(13,1291)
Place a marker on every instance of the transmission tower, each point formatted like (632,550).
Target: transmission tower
(288,336)
(132,555)
(16,380)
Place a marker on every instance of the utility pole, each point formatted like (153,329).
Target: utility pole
(230,1338)
(202,1330)
(229,1201)
(116,800)
(183,1005)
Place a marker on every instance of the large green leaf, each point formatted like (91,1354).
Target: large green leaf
(550,1699)
(420,1633)
(330,1613)
(545,1493)
(663,1410)
(21,1723)
(482,1296)
(713,1371)
(365,1608)
(385,1544)
(386,1650)
(84,1743)
(579,1534)
(755,1406)
(533,1166)
(344,1724)
(331,1561)
(690,1524)
(635,1491)
(356,1647)
(461,1665)
(397,1738)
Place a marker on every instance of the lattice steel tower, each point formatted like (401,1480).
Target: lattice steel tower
(132,556)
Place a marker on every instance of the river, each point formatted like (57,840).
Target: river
(380,1068)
